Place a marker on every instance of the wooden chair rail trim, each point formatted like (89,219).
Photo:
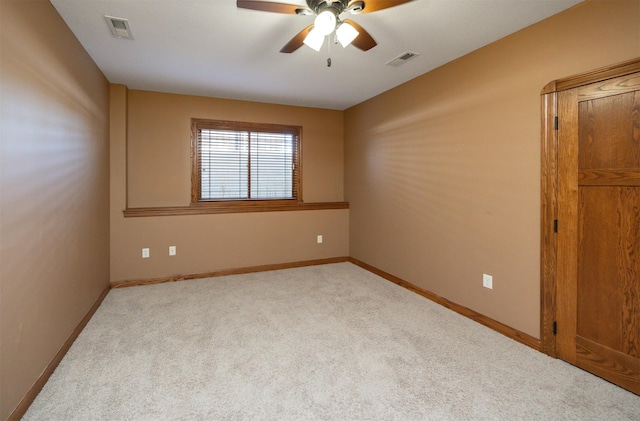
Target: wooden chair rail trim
(499,327)
(229,207)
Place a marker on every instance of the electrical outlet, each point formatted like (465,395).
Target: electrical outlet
(145,253)
(319,239)
(172,250)
(487,281)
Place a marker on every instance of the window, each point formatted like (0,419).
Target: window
(233,161)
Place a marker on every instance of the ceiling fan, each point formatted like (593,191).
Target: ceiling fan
(327,20)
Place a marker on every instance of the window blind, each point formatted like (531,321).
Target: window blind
(246,164)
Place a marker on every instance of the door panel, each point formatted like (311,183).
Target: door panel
(598,258)
(609,137)
(617,367)
(609,267)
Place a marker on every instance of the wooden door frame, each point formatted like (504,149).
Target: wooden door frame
(549,190)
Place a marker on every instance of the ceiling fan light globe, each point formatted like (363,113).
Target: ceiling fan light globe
(325,22)
(346,34)
(314,39)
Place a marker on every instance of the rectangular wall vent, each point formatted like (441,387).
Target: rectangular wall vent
(119,27)
(402,58)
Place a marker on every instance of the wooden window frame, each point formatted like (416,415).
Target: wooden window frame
(244,204)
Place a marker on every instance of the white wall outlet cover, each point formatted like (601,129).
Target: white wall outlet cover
(487,281)
(172,250)
(319,239)
(145,253)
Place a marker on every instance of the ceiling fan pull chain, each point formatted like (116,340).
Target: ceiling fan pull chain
(329,52)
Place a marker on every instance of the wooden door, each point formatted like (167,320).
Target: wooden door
(598,229)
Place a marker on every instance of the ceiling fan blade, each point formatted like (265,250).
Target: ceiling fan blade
(363,41)
(375,5)
(267,6)
(297,41)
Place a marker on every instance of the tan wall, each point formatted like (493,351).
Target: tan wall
(54,179)
(443,172)
(150,143)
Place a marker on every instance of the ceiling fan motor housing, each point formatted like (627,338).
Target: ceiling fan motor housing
(335,6)
(327,14)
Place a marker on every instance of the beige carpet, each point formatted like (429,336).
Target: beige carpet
(331,342)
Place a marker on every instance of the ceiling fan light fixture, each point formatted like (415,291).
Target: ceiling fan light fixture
(325,22)
(314,39)
(346,34)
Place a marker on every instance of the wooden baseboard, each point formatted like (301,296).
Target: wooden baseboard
(467,312)
(224,272)
(31,395)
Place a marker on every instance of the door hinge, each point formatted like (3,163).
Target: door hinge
(555,123)
(555,328)
(555,225)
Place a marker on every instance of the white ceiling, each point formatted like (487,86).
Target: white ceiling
(212,48)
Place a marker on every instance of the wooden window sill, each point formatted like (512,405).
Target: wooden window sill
(203,209)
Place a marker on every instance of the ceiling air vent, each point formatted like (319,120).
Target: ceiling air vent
(119,27)
(402,58)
